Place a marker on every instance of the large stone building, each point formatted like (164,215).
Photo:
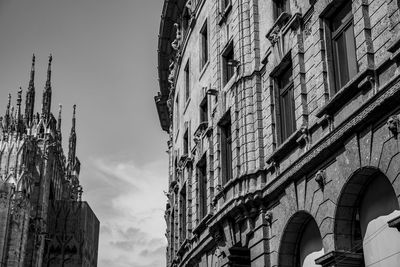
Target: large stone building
(283,122)
(43,221)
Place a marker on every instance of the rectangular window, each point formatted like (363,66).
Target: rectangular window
(228,64)
(183,214)
(186,142)
(177,115)
(202,183)
(343,46)
(204,46)
(226,149)
(279,7)
(287,121)
(187,81)
(204,110)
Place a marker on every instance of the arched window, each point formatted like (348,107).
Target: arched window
(301,242)
(310,246)
(366,204)
(381,244)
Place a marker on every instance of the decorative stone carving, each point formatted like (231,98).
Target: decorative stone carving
(307,29)
(304,139)
(176,44)
(320,178)
(268,218)
(274,35)
(393,124)
(220,188)
(171,69)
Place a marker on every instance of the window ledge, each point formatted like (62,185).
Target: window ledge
(346,92)
(395,223)
(182,248)
(184,160)
(224,14)
(229,83)
(200,130)
(202,224)
(345,257)
(290,143)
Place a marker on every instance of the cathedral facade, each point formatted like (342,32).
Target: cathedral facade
(283,122)
(43,221)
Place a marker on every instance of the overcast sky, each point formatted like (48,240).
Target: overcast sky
(104,60)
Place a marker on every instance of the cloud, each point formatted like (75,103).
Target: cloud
(129,202)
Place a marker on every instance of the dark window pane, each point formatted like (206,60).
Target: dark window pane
(285,79)
(228,65)
(342,64)
(187,81)
(287,123)
(226,151)
(202,173)
(204,46)
(341,16)
(204,112)
(280,6)
(183,214)
(186,143)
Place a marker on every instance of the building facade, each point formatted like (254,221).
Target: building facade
(283,122)
(43,221)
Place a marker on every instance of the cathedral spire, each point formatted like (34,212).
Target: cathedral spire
(72,142)
(48,81)
(30,95)
(31,81)
(18,118)
(19,100)
(46,103)
(7,117)
(59,118)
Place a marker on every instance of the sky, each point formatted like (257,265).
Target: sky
(105,62)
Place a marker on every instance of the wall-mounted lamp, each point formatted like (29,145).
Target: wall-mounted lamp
(213,92)
(233,62)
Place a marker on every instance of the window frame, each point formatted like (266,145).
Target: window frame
(226,139)
(335,56)
(203,107)
(204,45)
(186,142)
(227,68)
(183,213)
(187,81)
(282,113)
(203,186)
(279,7)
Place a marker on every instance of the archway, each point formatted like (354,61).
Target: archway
(301,242)
(366,204)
